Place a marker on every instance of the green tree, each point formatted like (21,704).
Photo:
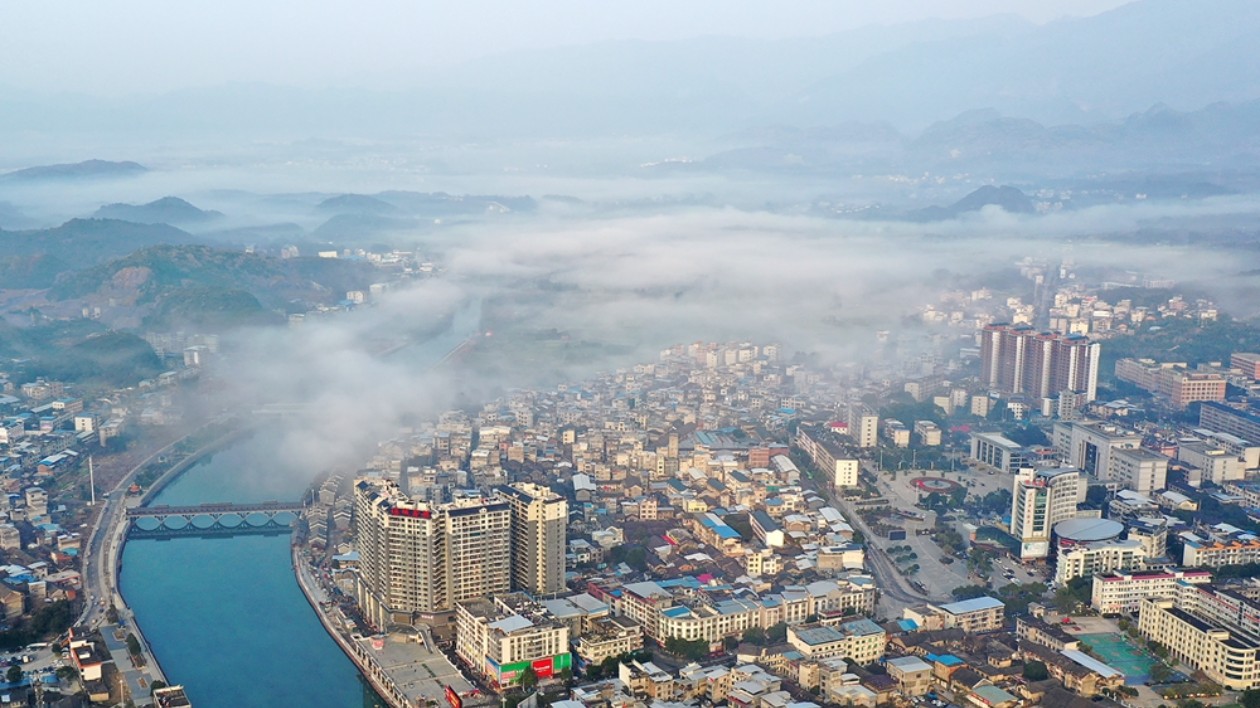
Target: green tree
(1036,671)
(1250,698)
(755,635)
(1160,672)
(156,685)
(694,649)
(529,678)
(14,674)
(133,644)
(777,633)
(967,592)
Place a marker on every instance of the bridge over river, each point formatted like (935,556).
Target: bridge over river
(225,519)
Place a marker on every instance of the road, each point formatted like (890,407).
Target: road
(100,561)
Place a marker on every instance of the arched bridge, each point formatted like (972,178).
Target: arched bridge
(225,519)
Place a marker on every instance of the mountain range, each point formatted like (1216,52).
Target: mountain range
(1082,70)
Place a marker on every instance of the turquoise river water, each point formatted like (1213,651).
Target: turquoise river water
(224,615)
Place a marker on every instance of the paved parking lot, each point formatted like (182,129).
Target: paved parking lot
(937,576)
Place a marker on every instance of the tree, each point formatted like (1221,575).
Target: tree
(1036,671)
(694,649)
(755,635)
(156,685)
(14,674)
(1250,698)
(529,678)
(133,644)
(777,633)
(1160,672)
(967,592)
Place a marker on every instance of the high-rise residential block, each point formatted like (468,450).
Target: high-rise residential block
(417,560)
(1020,359)
(540,522)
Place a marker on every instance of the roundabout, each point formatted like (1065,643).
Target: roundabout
(934,484)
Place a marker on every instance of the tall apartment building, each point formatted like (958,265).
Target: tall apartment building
(1172,382)
(1209,629)
(1043,498)
(863,425)
(1020,359)
(1088,444)
(540,523)
(417,560)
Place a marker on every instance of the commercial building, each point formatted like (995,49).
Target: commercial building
(1019,359)
(1114,593)
(1139,469)
(1087,445)
(1172,382)
(504,638)
(540,522)
(1041,499)
(997,452)
(417,560)
(1209,629)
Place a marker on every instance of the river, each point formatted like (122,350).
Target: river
(224,615)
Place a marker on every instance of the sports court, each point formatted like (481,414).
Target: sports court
(1121,654)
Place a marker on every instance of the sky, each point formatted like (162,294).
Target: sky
(142,46)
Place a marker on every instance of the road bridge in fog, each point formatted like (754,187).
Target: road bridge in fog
(224,518)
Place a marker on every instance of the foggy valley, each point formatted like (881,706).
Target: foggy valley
(455,264)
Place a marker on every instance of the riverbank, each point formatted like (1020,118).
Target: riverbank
(368,668)
(102,565)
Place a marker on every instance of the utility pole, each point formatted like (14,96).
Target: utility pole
(92,480)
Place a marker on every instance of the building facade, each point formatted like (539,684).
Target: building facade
(540,522)
(1115,593)
(1041,499)
(418,560)
(1020,359)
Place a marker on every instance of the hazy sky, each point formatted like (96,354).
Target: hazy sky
(153,45)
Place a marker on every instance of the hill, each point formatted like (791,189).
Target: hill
(213,286)
(1009,199)
(78,243)
(79,351)
(167,210)
(88,169)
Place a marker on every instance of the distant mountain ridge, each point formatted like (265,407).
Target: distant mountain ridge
(88,169)
(1080,70)
(1006,198)
(167,210)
